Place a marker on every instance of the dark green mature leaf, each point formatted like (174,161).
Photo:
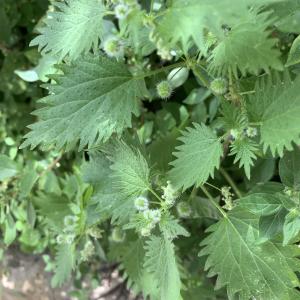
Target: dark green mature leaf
(88,104)
(161,262)
(197,157)
(289,168)
(249,269)
(246,48)
(72,29)
(276,104)
(291,227)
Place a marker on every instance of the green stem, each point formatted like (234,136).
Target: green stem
(154,193)
(211,199)
(163,69)
(231,182)
(200,76)
(213,186)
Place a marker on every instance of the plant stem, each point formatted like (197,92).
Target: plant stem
(163,69)
(231,182)
(154,193)
(213,186)
(211,199)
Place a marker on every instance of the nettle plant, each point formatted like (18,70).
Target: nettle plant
(182,109)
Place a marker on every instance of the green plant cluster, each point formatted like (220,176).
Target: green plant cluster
(166,140)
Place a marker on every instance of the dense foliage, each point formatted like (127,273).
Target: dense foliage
(166,140)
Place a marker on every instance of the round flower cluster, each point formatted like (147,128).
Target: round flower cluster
(94,232)
(251,132)
(151,218)
(170,194)
(219,86)
(68,235)
(113,46)
(164,89)
(123,8)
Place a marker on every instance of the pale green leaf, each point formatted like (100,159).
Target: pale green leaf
(72,29)
(161,262)
(197,157)
(248,269)
(95,98)
(291,227)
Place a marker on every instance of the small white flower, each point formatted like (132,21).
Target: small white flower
(145,231)
(70,238)
(114,47)
(251,132)
(184,209)
(60,239)
(70,221)
(170,194)
(141,203)
(155,215)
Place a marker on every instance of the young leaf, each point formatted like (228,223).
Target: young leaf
(88,104)
(248,269)
(72,29)
(289,168)
(291,227)
(276,104)
(8,168)
(244,151)
(161,262)
(197,158)
(64,264)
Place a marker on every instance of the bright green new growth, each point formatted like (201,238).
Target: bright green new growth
(164,89)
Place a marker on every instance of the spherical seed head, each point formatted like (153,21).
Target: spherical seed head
(141,203)
(122,11)
(184,210)
(155,215)
(113,47)
(251,132)
(145,231)
(60,239)
(70,238)
(219,86)
(87,251)
(164,89)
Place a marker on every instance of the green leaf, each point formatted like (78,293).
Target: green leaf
(294,54)
(8,168)
(289,168)
(276,105)
(161,262)
(244,151)
(179,21)
(64,264)
(246,48)
(131,173)
(27,181)
(10,231)
(270,226)
(88,104)
(197,157)
(261,204)
(248,269)
(72,29)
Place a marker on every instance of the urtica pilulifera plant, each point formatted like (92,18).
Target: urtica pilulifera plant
(167,143)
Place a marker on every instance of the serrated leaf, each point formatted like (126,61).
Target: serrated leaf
(64,264)
(72,29)
(246,48)
(289,168)
(276,105)
(244,151)
(160,261)
(179,21)
(131,173)
(197,157)
(249,269)
(88,104)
